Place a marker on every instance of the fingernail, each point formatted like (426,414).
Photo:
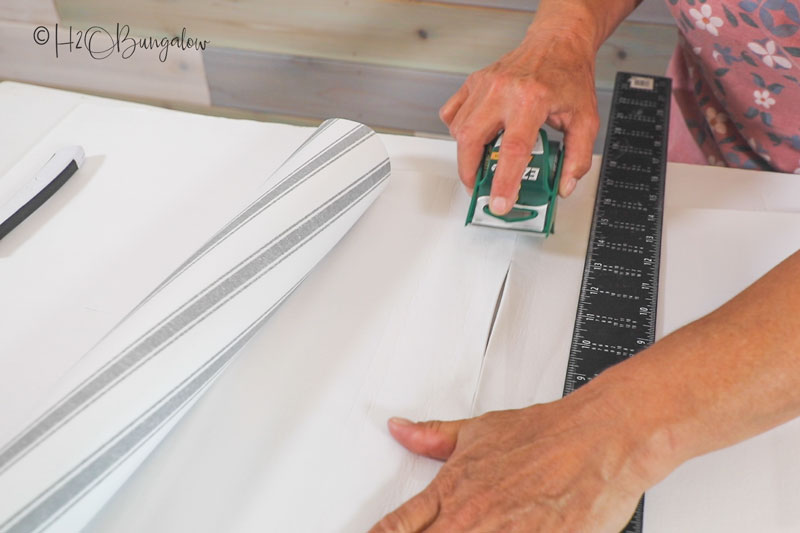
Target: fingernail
(570,186)
(498,205)
(397,421)
(468,190)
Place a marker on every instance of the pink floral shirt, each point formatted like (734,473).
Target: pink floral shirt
(736,79)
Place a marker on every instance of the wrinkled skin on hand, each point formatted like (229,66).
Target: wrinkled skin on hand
(548,79)
(567,466)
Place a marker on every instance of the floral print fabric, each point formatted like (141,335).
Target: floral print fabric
(738,80)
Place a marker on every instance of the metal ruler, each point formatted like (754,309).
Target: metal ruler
(617,305)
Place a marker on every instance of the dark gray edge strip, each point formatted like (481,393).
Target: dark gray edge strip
(19,216)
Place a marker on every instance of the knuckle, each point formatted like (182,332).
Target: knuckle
(537,91)
(500,80)
(453,129)
(532,91)
(474,79)
(466,135)
(514,146)
(593,122)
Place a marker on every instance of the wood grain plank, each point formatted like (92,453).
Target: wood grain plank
(653,11)
(181,78)
(39,11)
(318,88)
(399,33)
(383,97)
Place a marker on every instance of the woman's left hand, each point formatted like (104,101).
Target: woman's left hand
(571,465)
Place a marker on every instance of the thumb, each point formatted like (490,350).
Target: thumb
(434,438)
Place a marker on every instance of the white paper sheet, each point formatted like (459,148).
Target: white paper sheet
(292,437)
(708,256)
(365,339)
(150,193)
(126,393)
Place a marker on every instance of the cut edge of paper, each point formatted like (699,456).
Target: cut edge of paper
(499,302)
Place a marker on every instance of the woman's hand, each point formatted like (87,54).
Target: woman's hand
(549,78)
(577,464)
(580,463)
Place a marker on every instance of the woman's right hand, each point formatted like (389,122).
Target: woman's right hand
(549,79)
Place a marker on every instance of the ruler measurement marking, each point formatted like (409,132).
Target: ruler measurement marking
(623,247)
(617,270)
(629,186)
(618,321)
(629,226)
(617,303)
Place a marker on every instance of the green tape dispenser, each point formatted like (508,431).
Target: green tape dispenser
(535,208)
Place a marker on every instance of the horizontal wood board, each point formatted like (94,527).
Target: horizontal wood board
(383,97)
(399,33)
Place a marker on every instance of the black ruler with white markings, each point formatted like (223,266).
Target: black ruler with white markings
(617,305)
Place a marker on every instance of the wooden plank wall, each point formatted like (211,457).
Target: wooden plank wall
(390,63)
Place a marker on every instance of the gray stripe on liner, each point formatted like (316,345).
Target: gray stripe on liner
(196,312)
(70,493)
(98,469)
(317,132)
(321,160)
(318,163)
(299,176)
(12,451)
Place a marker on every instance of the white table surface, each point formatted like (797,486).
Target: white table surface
(218,469)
